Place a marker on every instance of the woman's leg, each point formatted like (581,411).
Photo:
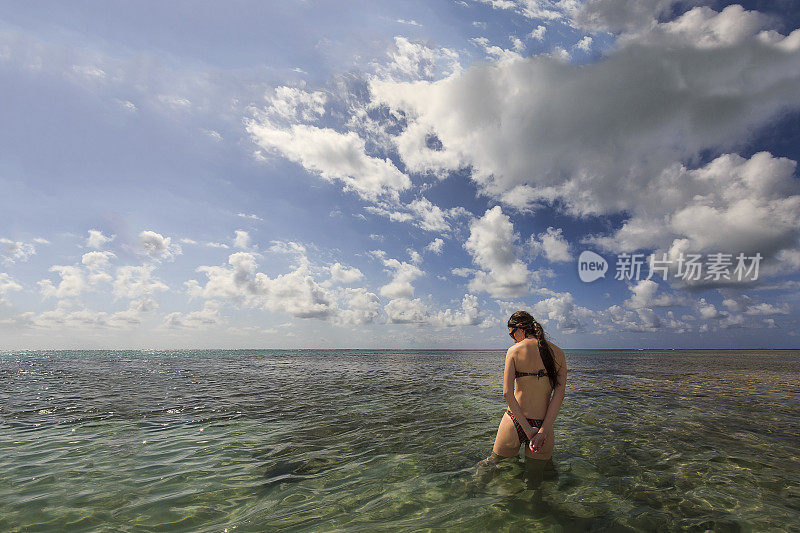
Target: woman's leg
(506,443)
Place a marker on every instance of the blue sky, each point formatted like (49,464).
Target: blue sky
(395,174)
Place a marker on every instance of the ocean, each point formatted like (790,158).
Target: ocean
(388,440)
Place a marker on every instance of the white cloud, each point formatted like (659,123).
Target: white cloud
(7,284)
(206,317)
(136,282)
(538,33)
(358,307)
(96,264)
(97,240)
(644,296)
(416,61)
(552,244)
(435,246)
(584,44)
(742,303)
(562,312)
(532,9)
(500,55)
(491,244)
(549,126)
(703,27)
(731,205)
(469,315)
(158,247)
(250,216)
(407,311)
(344,274)
(334,156)
(422,213)
(404,274)
(292,104)
(16,251)
(242,240)
(295,292)
(187,240)
(73,282)
(618,16)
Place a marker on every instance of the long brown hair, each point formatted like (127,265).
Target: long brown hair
(524,321)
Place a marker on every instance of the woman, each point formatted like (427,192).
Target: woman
(531,409)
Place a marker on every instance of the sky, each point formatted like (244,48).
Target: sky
(370,174)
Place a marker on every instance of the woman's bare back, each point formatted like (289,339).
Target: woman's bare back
(533,392)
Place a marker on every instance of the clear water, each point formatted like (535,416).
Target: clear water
(310,440)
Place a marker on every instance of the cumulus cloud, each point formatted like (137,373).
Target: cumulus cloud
(158,247)
(7,284)
(133,282)
(344,274)
(67,315)
(703,27)
(538,131)
(241,240)
(97,240)
(538,33)
(407,311)
(584,44)
(14,251)
(410,60)
(293,103)
(552,244)
(96,263)
(545,128)
(618,16)
(73,282)
(336,157)
(435,246)
(206,317)
(532,9)
(295,293)
(136,282)
(359,306)
(403,274)
(421,213)
(468,315)
(644,295)
(562,312)
(743,303)
(731,205)
(491,244)
(283,128)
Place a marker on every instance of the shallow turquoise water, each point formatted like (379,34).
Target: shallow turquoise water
(310,440)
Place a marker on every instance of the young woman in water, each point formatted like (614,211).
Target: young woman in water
(533,402)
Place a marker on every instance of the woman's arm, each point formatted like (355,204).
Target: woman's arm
(508,394)
(558,394)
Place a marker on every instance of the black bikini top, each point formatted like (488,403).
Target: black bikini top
(540,373)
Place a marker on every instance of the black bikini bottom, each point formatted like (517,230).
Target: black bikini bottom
(535,422)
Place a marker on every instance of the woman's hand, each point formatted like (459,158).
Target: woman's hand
(537,442)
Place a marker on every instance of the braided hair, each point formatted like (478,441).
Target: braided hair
(524,321)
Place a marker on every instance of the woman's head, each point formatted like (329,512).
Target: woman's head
(524,321)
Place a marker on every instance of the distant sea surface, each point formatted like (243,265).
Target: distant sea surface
(356,440)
